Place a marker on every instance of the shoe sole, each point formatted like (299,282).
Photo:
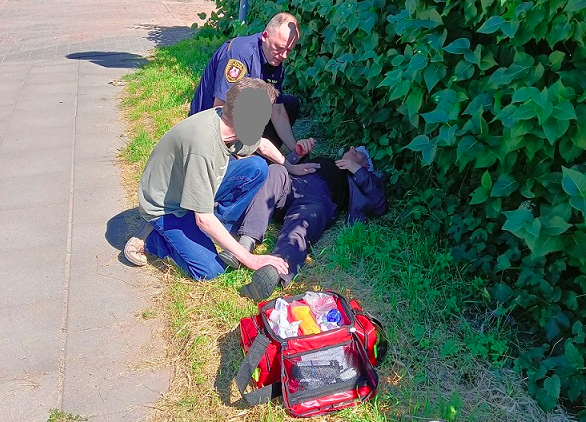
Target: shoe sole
(264,281)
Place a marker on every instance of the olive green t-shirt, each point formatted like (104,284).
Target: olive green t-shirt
(186,167)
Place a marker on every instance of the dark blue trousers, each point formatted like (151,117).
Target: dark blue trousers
(308,207)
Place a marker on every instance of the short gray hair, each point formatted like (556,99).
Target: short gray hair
(281,19)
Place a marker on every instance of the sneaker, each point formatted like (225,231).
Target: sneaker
(264,281)
(134,251)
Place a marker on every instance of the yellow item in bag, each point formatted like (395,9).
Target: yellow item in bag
(308,324)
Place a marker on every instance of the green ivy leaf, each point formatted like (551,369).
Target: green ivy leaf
(564,111)
(524,93)
(575,245)
(500,77)
(524,7)
(479,195)
(468,145)
(575,5)
(419,143)
(433,73)
(391,78)
(436,116)
(517,219)
(579,333)
(486,180)
(464,70)
(447,135)
(491,25)
(540,98)
(504,186)
(573,182)
(502,263)
(555,60)
(367,24)
(546,244)
(579,138)
(524,112)
(487,61)
(510,28)
(579,203)
(561,30)
(576,386)
(554,129)
(573,355)
(474,57)
(544,113)
(459,46)
(428,153)
(400,90)
(568,150)
(414,100)
(533,227)
(556,226)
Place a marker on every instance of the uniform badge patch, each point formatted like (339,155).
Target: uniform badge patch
(235,70)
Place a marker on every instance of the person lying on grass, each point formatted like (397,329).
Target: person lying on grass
(311,204)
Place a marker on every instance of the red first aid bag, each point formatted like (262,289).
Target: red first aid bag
(315,373)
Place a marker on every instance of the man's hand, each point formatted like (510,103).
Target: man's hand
(254,262)
(345,164)
(304,146)
(301,169)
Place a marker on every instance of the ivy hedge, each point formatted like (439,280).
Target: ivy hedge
(476,110)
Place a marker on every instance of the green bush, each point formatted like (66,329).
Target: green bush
(476,110)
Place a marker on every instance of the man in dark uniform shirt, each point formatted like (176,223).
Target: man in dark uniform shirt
(260,56)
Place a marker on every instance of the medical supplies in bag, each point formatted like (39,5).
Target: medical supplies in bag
(317,350)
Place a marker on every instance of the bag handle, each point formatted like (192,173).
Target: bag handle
(248,366)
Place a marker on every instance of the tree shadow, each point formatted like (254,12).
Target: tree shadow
(159,36)
(110,59)
(162,36)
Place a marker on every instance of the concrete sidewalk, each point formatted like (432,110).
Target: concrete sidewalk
(71,334)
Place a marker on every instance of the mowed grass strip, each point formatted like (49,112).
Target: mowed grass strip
(449,357)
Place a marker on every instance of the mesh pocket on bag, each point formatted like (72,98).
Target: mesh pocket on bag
(324,371)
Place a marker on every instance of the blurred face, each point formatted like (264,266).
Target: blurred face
(252,111)
(277,44)
(356,156)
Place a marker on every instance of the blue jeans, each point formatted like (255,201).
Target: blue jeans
(181,239)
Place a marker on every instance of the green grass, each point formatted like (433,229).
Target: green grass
(449,356)
(157,95)
(57,415)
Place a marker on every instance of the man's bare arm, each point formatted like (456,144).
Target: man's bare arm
(211,226)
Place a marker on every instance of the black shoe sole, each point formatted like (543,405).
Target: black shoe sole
(264,281)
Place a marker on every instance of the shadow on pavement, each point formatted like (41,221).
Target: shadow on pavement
(110,59)
(120,228)
(159,35)
(167,35)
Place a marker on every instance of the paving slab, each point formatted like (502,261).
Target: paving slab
(71,332)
